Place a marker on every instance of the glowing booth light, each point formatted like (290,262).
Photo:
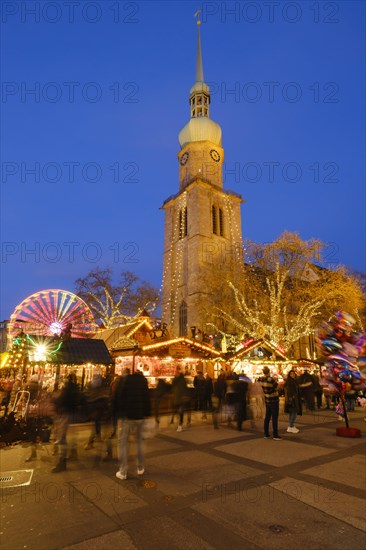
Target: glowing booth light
(40,353)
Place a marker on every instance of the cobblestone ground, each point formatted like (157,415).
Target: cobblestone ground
(202,488)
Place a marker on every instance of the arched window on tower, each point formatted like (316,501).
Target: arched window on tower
(221,222)
(214,220)
(183,222)
(183,319)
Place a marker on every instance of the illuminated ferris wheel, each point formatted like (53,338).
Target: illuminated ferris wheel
(50,312)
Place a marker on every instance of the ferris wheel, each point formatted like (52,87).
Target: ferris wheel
(50,312)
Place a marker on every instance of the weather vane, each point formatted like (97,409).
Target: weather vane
(197,14)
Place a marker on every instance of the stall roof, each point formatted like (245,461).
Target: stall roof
(123,336)
(75,351)
(262,343)
(167,347)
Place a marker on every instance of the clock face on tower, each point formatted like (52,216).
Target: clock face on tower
(215,155)
(184,158)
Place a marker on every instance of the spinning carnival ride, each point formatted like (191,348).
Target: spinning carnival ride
(49,313)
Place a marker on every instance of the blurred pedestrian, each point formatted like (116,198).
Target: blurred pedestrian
(306,384)
(207,396)
(98,402)
(33,388)
(240,389)
(219,390)
(199,386)
(318,390)
(180,396)
(133,407)
(66,404)
(116,389)
(161,390)
(256,400)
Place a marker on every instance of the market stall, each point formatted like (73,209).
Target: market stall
(160,359)
(51,359)
(256,354)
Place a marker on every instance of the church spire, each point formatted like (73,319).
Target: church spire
(200,93)
(199,66)
(200,127)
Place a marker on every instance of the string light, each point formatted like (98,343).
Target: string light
(181,339)
(173,268)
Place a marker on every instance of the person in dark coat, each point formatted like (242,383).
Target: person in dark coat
(207,396)
(240,389)
(199,387)
(162,388)
(318,390)
(66,403)
(98,400)
(116,389)
(272,400)
(306,384)
(33,388)
(219,390)
(134,407)
(292,400)
(180,396)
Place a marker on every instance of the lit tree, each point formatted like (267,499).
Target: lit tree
(115,304)
(285,289)
(18,353)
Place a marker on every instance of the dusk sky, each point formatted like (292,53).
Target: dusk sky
(90,156)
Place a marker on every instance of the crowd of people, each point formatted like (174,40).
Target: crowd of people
(231,398)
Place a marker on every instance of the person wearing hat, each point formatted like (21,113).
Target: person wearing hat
(272,400)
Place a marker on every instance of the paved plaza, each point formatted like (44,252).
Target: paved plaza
(202,488)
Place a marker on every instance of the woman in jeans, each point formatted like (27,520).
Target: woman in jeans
(292,400)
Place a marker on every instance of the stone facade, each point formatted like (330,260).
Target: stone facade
(202,241)
(202,236)
(197,161)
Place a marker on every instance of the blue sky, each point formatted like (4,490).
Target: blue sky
(110,95)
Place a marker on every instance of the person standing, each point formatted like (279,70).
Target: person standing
(256,400)
(98,404)
(240,389)
(180,395)
(292,401)
(133,407)
(306,384)
(207,397)
(117,386)
(199,387)
(66,403)
(160,391)
(318,390)
(272,400)
(219,390)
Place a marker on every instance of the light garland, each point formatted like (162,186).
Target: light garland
(235,232)
(181,339)
(175,256)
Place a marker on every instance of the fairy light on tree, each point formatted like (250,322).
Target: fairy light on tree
(17,355)
(284,290)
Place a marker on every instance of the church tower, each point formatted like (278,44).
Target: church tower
(202,232)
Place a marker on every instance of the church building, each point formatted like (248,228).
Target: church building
(202,231)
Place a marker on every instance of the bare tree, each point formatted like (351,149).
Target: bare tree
(116,303)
